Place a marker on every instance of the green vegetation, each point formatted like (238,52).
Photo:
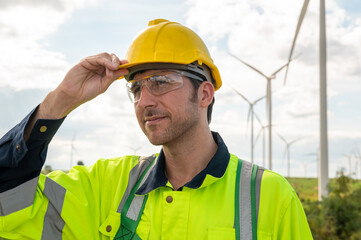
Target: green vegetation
(339,215)
(306,188)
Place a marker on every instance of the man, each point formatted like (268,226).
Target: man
(193,189)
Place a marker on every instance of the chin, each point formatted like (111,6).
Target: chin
(157,139)
(154,139)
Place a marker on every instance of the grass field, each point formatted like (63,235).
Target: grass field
(307,188)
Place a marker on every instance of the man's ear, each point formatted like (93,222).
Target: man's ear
(205,94)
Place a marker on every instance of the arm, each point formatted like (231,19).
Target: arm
(20,161)
(23,149)
(294,223)
(86,80)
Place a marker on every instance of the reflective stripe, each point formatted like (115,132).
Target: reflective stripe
(134,175)
(18,198)
(53,223)
(245,216)
(258,188)
(135,206)
(137,202)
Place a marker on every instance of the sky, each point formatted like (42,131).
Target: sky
(41,40)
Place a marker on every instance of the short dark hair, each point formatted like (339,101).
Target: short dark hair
(196,83)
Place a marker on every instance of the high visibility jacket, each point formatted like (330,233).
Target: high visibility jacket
(83,204)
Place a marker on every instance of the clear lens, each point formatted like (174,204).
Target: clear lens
(157,84)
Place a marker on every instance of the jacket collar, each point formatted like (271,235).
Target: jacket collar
(214,170)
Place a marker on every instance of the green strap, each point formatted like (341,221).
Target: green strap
(253,202)
(236,201)
(128,226)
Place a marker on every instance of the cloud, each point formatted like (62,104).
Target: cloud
(25,63)
(56,4)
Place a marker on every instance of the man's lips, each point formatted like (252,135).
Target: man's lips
(153,119)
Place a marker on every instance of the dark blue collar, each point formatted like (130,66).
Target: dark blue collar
(216,167)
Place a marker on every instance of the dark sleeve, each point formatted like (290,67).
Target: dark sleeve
(21,161)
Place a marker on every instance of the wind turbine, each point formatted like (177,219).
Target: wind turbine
(358,157)
(251,114)
(305,164)
(269,102)
(317,160)
(72,150)
(272,76)
(262,131)
(287,151)
(349,158)
(135,149)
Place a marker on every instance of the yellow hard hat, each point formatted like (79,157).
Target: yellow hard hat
(170,42)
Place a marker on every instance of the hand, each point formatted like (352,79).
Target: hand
(86,80)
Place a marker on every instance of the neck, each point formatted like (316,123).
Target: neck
(189,155)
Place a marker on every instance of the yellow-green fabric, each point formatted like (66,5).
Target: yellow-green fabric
(93,195)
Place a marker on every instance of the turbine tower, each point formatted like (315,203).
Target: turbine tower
(262,131)
(251,115)
(287,151)
(323,174)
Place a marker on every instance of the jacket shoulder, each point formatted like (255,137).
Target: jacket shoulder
(280,209)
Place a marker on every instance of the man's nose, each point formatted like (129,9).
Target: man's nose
(146,98)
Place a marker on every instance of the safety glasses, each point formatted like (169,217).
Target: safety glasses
(158,83)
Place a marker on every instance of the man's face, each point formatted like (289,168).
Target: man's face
(167,117)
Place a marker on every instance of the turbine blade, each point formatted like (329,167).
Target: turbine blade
(248,115)
(296,140)
(259,99)
(284,154)
(278,70)
(283,139)
(299,24)
(250,110)
(258,134)
(258,119)
(248,65)
(240,94)
(287,64)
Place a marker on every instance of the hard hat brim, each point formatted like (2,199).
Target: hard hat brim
(214,71)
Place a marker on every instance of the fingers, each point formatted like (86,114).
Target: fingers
(115,62)
(105,64)
(109,61)
(117,73)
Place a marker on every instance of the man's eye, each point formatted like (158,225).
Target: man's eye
(135,88)
(160,80)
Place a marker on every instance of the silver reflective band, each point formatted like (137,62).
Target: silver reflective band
(245,215)
(18,198)
(135,207)
(53,223)
(134,175)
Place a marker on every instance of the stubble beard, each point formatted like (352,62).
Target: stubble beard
(177,129)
